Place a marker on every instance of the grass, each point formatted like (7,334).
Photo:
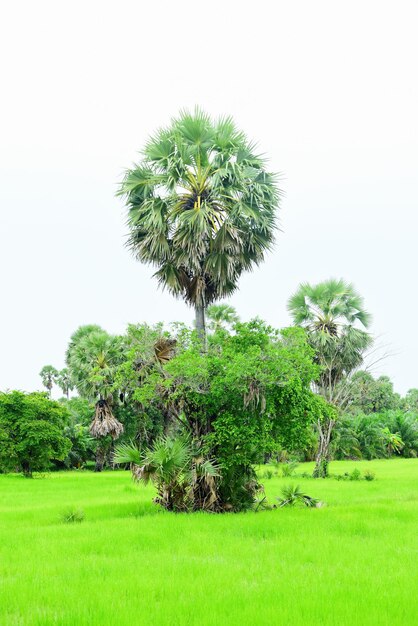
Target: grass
(353,562)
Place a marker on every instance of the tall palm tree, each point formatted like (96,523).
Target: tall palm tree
(201,208)
(48,375)
(333,314)
(221,315)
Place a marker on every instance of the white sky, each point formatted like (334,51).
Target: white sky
(329,91)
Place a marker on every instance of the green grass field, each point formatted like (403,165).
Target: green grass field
(353,562)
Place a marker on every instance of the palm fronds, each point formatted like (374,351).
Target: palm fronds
(104,422)
(183,477)
(292,496)
(201,207)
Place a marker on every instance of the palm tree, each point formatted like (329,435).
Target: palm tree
(184,479)
(393,441)
(221,315)
(48,375)
(201,208)
(331,312)
(64,382)
(92,360)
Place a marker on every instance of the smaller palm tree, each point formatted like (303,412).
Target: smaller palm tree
(328,307)
(393,441)
(334,317)
(48,375)
(221,316)
(64,382)
(184,479)
(333,314)
(92,360)
(292,496)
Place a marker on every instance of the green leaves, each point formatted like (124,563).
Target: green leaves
(31,432)
(127,452)
(292,496)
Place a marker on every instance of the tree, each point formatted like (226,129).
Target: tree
(393,441)
(410,402)
(83,445)
(331,312)
(247,394)
(146,349)
(405,426)
(221,316)
(48,375)
(92,359)
(64,382)
(201,208)
(367,394)
(31,432)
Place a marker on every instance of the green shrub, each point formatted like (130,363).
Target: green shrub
(292,496)
(368,475)
(355,474)
(288,468)
(268,474)
(71,516)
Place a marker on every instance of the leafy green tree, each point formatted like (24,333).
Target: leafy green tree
(31,432)
(201,208)
(64,382)
(247,394)
(83,445)
(410,402)
(48,375)
(331,312)
(367,394)
(92,359)
(221,316)
(146,348)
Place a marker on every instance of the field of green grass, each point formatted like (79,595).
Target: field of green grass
(353,562)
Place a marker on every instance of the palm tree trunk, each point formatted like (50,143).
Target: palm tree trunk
(100,457)
(200,321)
(322,457)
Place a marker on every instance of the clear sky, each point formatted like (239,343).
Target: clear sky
(329,91)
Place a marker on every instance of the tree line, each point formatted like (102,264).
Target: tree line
(193,409)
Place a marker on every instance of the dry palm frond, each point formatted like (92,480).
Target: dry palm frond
(254,396)
(104,422)
(204,477)
(164,349)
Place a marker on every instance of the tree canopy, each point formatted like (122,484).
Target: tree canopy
(201,208)
(246,395)
(31,432)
